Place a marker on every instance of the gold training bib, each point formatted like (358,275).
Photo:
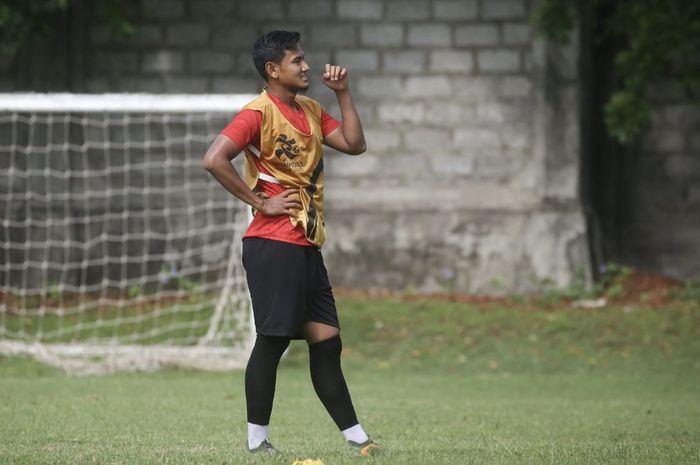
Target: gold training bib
(293,159)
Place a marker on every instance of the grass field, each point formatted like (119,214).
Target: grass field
(435,382)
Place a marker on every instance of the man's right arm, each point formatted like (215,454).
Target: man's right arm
(217,161)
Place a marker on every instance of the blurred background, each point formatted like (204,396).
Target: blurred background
(512,144)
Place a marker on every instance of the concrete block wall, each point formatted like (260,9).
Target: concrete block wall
(661,226)
(470,181)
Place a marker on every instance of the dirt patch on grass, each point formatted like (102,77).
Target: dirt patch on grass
(645,288)
(631,288)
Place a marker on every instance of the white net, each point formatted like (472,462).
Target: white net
(117,250)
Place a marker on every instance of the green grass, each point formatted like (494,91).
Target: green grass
(434,382)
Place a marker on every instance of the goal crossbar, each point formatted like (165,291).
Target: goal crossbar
(122,103)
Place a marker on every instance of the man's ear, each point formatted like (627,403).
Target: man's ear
(272,70)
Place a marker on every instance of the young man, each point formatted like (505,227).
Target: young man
(282,135)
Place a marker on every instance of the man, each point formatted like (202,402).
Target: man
(282,135)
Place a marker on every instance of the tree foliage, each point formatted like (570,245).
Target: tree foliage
(660,40)
(22,19)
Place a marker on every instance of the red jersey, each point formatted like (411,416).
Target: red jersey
(243,130)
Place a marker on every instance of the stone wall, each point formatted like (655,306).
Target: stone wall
(660,228)
(470,181)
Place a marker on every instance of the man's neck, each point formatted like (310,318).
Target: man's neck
(283,94)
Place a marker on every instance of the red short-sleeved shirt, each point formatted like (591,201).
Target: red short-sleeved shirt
(243,130)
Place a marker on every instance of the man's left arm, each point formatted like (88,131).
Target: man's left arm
(348,137)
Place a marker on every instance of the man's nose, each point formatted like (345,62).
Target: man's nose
(305,66)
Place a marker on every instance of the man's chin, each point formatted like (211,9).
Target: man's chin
(303,86)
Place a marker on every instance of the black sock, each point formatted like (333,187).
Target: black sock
(329,383)
(261,376)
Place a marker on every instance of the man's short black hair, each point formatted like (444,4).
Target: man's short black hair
(271,47)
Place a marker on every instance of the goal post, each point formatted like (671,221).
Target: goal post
(117,250)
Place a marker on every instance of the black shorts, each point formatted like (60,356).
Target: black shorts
(288,286)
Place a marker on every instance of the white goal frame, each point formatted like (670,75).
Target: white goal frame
(81,359)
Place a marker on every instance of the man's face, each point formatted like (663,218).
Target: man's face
(292,71)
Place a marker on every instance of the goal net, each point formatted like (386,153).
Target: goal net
(117,250)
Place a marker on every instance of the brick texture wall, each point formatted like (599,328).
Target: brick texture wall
(470,181)
(661,224)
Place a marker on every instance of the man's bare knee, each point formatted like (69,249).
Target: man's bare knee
(316,332)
